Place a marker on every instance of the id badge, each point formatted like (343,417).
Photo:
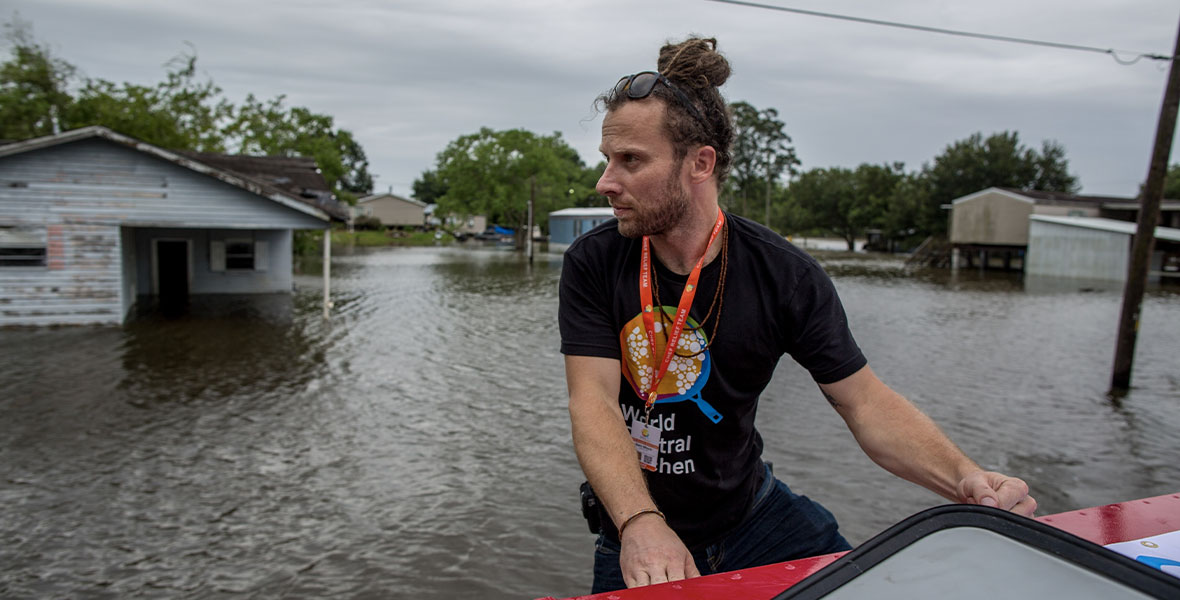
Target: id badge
(647,443)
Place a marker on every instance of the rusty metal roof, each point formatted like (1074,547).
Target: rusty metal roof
(296,175)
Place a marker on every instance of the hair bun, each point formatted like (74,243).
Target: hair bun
(694,63)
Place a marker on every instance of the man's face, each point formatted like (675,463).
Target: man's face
(643,176)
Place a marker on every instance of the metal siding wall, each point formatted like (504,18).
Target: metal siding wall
(991,219)
(392,211)
(561,230)
(1067,251)
(81,284)
(97,181)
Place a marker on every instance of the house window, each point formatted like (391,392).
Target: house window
(239,255)
(22,247)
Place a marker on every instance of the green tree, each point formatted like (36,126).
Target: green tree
(179,113)
(786,214)
(1171,183)
(428,188)
(270,128)
(847,202)
(356,180)
(34,84)
(1053,170)
(761,155)
(828,197)
(902,220)
(1000,160)
(583,190)
(494,173)
(874,187)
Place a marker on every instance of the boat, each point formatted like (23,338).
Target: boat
(961,551)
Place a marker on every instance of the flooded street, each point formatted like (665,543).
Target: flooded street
(416,445)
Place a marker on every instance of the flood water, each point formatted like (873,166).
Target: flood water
(416,445)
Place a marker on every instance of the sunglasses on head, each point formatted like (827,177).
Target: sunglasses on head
(640,86)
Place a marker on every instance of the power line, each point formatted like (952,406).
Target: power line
(983,36)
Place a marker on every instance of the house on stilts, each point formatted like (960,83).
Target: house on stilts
(1057,235)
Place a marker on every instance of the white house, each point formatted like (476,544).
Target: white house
(91,221)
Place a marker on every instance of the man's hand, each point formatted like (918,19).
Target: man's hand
(652,553)
(988,488)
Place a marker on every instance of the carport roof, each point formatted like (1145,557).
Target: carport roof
(602,211)
(1125,227)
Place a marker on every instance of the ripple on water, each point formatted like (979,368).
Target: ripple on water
(417,444)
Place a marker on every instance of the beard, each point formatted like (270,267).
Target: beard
(655,216)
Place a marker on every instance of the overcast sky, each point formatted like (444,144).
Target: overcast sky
(407,77)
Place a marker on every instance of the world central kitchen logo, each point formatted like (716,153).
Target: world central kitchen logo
(687,373)
(686,377)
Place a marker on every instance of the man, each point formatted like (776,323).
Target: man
(729,298)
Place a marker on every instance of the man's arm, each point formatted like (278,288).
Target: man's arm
(651,551)
(903,440)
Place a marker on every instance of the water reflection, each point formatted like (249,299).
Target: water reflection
(219,347)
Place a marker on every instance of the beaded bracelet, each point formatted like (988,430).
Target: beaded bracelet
(645,511)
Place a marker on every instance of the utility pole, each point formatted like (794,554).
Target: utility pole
(328,271)
(1149,212)
(768,183)
(532,200)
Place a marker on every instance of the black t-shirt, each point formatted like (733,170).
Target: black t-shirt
(776,300)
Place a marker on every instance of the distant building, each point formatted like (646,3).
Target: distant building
(992,227)
(461,225)
(91,221)
(392,210)
(567,224)
(469,225)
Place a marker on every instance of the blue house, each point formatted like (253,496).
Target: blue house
(92,221)
(567,224)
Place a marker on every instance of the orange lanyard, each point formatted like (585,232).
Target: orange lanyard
(649,319)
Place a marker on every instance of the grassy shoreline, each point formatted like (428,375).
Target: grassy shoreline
(310,242)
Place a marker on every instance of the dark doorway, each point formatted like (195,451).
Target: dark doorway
(172,274)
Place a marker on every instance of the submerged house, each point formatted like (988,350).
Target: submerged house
(1096,249)
(998,227)
(993,224)
(92,221)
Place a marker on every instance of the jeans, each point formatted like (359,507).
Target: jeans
(781,526)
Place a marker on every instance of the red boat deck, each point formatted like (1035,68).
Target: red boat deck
(1102,525)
